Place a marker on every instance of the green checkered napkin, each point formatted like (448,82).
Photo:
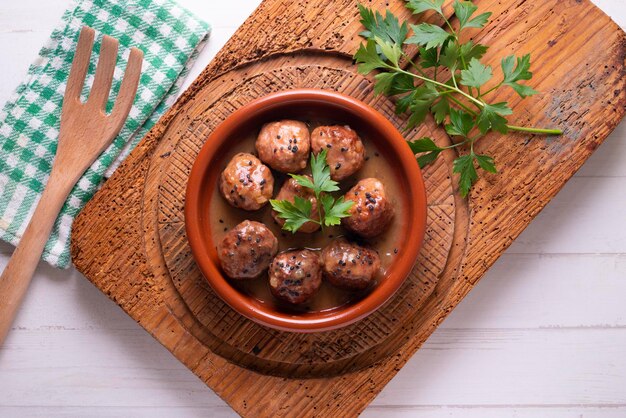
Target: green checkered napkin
(170,38)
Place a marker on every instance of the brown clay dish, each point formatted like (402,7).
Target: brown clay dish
(306,104)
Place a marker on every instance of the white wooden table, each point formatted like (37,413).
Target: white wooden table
(542,335)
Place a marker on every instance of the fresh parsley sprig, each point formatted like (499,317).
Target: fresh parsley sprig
(448,80)
(330,210)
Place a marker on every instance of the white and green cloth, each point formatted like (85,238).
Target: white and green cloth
(170,38)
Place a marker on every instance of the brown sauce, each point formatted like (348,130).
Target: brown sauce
(223,217)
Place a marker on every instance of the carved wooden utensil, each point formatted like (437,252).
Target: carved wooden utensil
(86,131)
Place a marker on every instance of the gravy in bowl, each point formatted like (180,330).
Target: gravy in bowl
(223,217)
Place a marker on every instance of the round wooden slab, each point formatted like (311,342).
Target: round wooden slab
(236,338)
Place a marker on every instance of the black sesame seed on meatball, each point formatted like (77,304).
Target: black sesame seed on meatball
(295,276)
(289,191)
(345,150)
(371,213)
(284,145)
(246,182)
(348,265)
(247,250)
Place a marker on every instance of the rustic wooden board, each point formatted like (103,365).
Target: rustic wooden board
(128,239)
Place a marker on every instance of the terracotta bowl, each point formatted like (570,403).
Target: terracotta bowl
(308,104)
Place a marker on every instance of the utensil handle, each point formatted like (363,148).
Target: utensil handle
(21,267)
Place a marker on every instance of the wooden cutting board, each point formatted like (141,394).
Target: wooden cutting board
(129,240)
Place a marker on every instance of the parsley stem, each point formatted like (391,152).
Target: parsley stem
(319,209)
(535,130)
(458,144)
(497,86)
(462,105)
(479,103)
(410,61)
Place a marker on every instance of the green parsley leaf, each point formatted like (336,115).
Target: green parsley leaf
(491,118)
(428,35)
(393,83)
(517,72)
(522,90)
(486,163)
(423,145)
(420,6)
(461,123)
(334,210)
(479,21)
(425,159)
(419,105)
(367,57)
(468,51)
(427,146)
(403,103)
(476,74)
(295,214)
(303,181)
(463,10)
(450,56)
(430,57)
(384,82)
(441,109)
(387,29)
(402,83)
(390,50)
(514,73)
(321,174)
(464,166)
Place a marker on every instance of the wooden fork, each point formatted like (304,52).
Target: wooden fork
(86,131)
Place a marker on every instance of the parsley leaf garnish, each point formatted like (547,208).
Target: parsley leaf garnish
(295,214)
(428,35)
(330,210)
(476,74)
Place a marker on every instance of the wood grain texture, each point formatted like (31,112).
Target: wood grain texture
(124,270)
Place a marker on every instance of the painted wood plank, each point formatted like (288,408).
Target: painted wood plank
(222,411)
(372,412)
(496,412)
(454,368)
(547,291)
(548,367)
(580,219)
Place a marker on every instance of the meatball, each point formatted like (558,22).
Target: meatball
(289,191)
(295,275)
(284,145)
(348,265)
(247,250)
(371,212)
(246,182)
(346,153)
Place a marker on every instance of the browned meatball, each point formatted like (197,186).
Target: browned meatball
(246,182)
(247,250)
(295,275)
(289,191)
(348,265)
(284,145)
(371,212)
(345,154)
